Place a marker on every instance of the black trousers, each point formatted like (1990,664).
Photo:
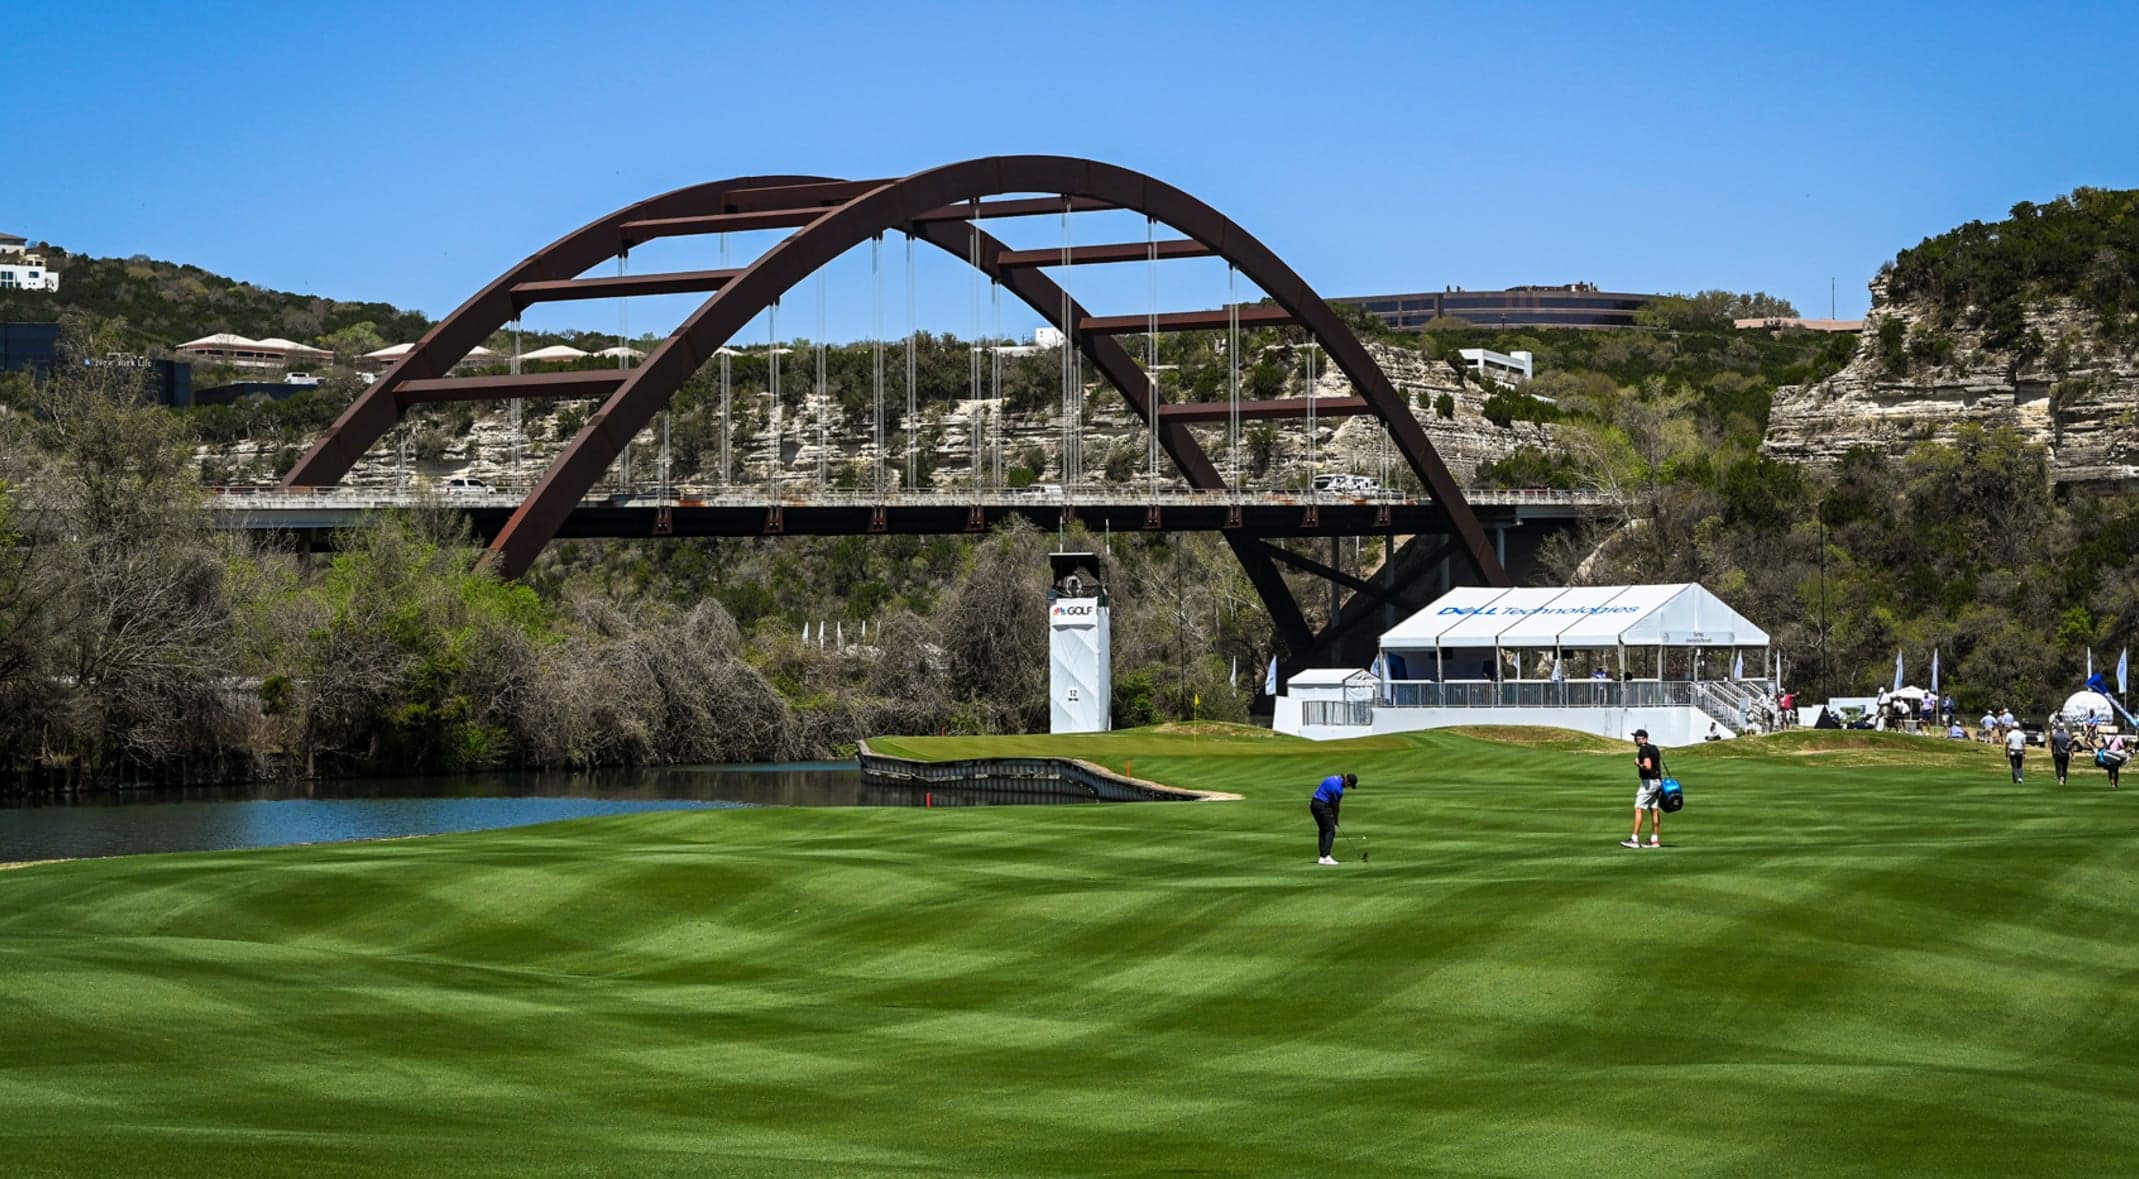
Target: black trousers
(2015,759)
(1325,823)
(2064,763)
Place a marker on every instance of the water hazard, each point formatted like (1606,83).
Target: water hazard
(276,814)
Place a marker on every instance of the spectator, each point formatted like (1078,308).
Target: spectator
(2060,750)
(2016,751)
(1930,710)
(1715,732)
(1955,732)
(1949,711)
(2006,719)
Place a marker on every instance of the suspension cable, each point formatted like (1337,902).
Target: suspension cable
(519,432)
(876,366)
(1151,350)
(623,307)
(912,412)
(1313,429)
(1069,423)
(995,382)
(823,407)
(1232,374)
(772,382)
(726,386)
(976,424)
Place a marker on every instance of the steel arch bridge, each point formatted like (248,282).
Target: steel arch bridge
(941,207)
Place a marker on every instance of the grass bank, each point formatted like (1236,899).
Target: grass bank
(1857,956)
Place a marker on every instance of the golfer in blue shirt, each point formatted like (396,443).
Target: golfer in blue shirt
(1328,797)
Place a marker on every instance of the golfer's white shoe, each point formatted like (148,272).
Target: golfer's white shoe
(1326,860)
(1654,843)
(1633,843)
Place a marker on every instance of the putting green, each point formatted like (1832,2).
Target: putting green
(1857,955)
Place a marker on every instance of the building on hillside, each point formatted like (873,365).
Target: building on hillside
(1043,339)
(554,354)
(380,359)
(21,270)
(240,352)
(1578,304)
(34,348)
(28,347)
(1603,659)
(1775,322)
(1499,368)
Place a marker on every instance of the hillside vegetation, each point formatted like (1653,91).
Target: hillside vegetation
(167,303)
(2082,246)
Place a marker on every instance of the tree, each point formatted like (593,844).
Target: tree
(130,592)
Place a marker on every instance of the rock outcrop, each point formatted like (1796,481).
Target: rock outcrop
(2079,399)
(821,438)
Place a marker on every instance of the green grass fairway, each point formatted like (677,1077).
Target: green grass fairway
(1860,954)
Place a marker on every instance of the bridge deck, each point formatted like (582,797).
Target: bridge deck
(853,514)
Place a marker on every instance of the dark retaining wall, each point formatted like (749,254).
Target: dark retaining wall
(1060,776)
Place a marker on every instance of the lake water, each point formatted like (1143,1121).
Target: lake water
(272,815)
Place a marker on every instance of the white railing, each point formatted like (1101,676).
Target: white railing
(1356,714)
(1555,694)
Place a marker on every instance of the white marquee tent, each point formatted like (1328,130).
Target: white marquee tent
(1466,626)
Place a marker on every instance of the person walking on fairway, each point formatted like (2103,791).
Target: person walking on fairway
(2061,751)
(1323,806)
(1648,796)
(2016,749)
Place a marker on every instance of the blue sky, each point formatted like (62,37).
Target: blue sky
(409,152)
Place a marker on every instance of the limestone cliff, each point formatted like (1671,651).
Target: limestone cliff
(819,437)
(1913,380)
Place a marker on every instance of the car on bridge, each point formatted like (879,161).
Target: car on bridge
(1352,484)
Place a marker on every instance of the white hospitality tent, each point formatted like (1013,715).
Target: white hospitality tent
(555,352)
(1628,630)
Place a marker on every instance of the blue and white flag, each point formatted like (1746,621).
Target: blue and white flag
(1270,678)
(1381,673)
(1738,667)
(2090,665)
(1232,677)
(1934,671)
(2124,666)
(1897,671)
(805,632)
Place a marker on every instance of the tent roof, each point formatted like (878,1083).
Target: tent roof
(555,352)
(634,353)
(390,352)
(1327,677)
(1682,615)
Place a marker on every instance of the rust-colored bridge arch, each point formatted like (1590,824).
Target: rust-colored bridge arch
(940,206)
